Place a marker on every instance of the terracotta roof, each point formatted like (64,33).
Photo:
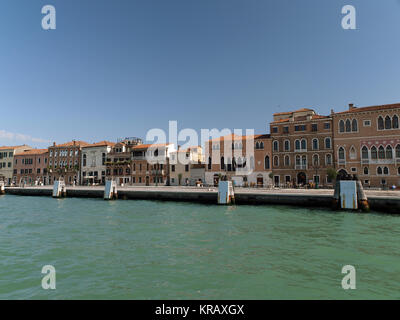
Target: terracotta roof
(304,109)
(101,144)
(263,136)
(32,152)
(280,121)
(371,108)
(71,144)
(12,147)
(146,146)
(282,113)
(290,112)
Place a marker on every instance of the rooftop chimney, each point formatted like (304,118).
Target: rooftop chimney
(54,144)
(351,106)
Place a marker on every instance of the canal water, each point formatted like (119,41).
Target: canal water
(167,250)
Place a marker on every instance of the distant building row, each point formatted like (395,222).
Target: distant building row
(302,148)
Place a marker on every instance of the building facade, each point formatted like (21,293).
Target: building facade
(239,158)
(302,148)
(64,162)
(182,163)
(7,162)
(93,162)
(367,144)
(30,167)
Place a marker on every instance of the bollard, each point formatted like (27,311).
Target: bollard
(110,190)
(2,188)
(59,189)
(362,198)
(226,194)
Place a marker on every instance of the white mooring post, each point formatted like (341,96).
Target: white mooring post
(348,195)
(2,188)
(59,189)
(110,190)
(225,192)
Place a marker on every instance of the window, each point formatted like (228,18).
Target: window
(366,171)
(381,125)
(266,162)
(354,125)
(303,144)
(341,126)
(274,129)
(353,153)
(364,153)
(353,169)
(367,123)
(388,123)
(300,128)
(222,163)
(187,168)
(285,129)
(315,160)
(276,146)
(314,127)
(341,153)
(287,145)
(209,163)
(297,144)
(328,159)
(327,125)
(386,171)
(381,152)
(389,152)
(84,160)
(315,144)
(395,122)
(328,144)
(398,170)
(173,168)
(276,161)
(398,151)
(287,161)
(348,125)
(379,171)
(374,153)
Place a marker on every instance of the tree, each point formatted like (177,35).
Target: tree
(332,174)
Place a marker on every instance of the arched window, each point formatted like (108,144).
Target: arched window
(222,163)
(276,146)
(328,159)
(303,144)
(398,170)
(366,171)
(374,153)
(379,170)
(315,144)
(381,152)
(341,126)
(341,153)
(315,160)
(398,151)
(266,162)
(262,145)
(287,161)
(298,161)
(287,145)
(353,153)
(381,124)
(389,152)
(348,125)
(386,170)
(327,143)
(276,161)
(388,123)
(209,163)
(364,153)
(84,160)
(354,125)
(304,161)
(395,122)
(297,144)
(257,145)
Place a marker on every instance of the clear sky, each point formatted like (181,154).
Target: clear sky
(118,68)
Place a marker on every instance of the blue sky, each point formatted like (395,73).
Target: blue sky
(119,68)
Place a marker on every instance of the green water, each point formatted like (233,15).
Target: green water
(167,250)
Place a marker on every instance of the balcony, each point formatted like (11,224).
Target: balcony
(301,167)
(158,172)
(342,161)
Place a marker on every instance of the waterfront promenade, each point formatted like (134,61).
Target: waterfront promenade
(383,201)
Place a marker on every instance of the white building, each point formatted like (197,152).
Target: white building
(93,162)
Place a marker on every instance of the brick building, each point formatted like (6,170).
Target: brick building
(30,167)
(64,161)
(302,148)
(367,143)
(7,154)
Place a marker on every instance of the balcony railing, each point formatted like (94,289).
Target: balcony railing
(301,167)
